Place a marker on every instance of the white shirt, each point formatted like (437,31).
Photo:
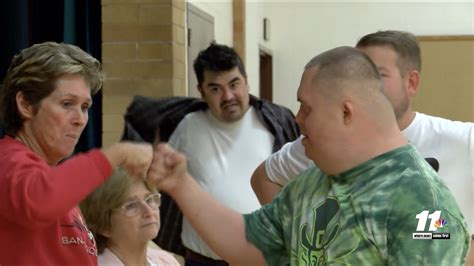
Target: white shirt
(221,157)
(452,144)
(449,142)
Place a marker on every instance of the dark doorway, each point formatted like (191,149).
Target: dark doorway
(266,76)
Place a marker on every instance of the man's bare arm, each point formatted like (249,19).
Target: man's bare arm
(265,189)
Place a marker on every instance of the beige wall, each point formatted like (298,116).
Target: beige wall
(143,52)
(447,77)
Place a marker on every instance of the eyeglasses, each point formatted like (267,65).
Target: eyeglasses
(134,208)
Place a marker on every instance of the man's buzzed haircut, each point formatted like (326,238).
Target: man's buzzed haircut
(403,43)
(345,65)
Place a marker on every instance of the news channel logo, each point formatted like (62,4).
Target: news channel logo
(438,227)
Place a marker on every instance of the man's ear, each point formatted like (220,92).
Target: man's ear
(24,107)
(413,79)
(348,112)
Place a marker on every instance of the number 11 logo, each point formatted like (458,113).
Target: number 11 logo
(423,218)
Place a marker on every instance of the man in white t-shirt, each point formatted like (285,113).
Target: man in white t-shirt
(226,141)
(451,143)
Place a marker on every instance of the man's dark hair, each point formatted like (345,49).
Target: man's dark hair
(217,58)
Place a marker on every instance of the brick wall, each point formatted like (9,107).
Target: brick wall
(143,52)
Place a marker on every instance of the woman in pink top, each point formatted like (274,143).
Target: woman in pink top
(124,216)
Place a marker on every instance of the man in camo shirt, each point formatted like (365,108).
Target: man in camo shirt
(373,201)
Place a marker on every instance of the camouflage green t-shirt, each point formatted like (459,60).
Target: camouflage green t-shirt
(373,214)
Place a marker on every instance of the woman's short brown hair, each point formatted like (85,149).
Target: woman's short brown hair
(34,72)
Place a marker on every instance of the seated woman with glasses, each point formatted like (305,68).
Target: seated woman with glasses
(123,214)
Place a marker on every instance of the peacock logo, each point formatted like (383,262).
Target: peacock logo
(440,223)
